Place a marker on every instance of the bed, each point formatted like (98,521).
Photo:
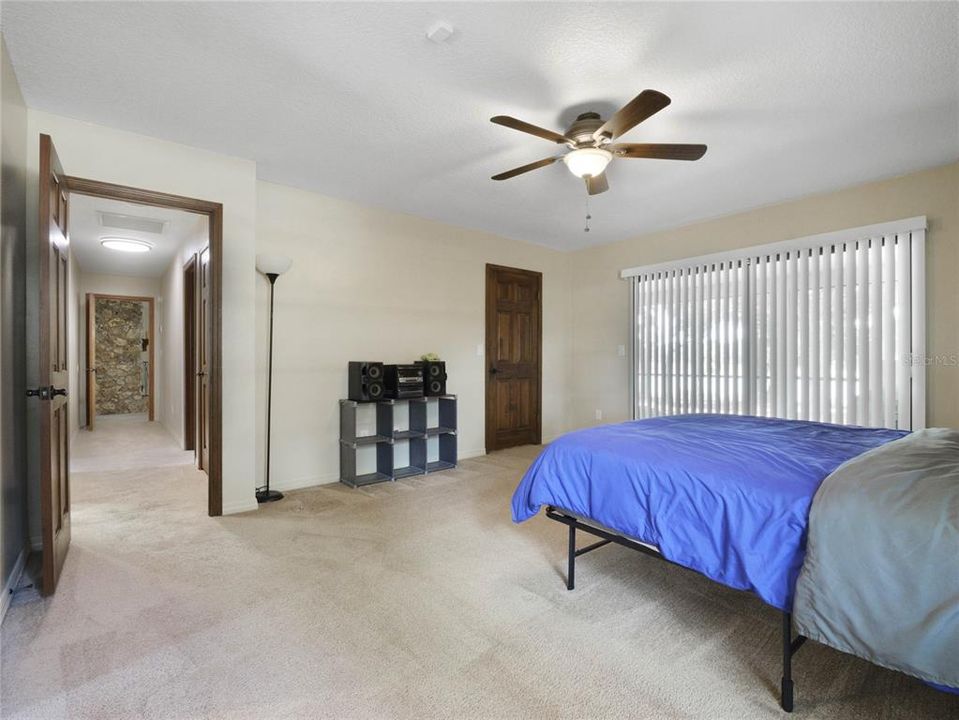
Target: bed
(727,496)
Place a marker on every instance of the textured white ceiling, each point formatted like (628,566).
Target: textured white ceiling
(352,100)
(86,232)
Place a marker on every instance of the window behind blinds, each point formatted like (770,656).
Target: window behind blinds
(828,328)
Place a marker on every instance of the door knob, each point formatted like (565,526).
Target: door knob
(492,370)
(46,393)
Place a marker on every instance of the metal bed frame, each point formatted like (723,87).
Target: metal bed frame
(790,644)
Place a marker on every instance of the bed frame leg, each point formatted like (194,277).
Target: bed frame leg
(786,698)
(571,563)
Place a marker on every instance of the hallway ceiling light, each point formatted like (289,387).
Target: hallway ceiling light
(126,245)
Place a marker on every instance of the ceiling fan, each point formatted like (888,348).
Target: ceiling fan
(590,141)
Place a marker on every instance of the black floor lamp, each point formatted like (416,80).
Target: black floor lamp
(272,266)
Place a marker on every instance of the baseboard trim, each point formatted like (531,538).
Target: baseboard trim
(12,582)
(330,478)
(305,482)
(241,507)
(467,454)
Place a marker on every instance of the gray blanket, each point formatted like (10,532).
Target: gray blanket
(881,574)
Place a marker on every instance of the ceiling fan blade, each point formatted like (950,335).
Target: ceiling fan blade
(510,122)
(525,168)
(644,105)
(661,151)
(597,185)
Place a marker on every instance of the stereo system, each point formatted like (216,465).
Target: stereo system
(404,381)
(372,381)
(366,381)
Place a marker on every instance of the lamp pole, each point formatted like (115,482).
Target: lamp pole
(264,494)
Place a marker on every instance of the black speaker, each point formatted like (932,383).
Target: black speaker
(404,381)
(366,381)
(434,376)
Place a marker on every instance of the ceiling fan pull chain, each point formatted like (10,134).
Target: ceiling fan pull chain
(588,216)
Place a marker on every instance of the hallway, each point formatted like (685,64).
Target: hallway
(129,480)
(124,442)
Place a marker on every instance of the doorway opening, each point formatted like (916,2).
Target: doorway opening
(120,349)
(56,416)
(170,373)
(514,340)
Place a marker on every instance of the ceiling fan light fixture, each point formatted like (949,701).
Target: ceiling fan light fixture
(587,162)
(126,245)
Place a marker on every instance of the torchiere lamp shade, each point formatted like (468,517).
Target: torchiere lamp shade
(273,264)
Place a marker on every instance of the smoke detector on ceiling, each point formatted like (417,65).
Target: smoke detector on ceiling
(440,32)
(131,222)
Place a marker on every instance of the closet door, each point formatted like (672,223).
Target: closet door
(203,363)
(513,349)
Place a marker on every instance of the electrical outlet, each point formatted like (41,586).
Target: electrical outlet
(599,414)
(479,350)
(621,350)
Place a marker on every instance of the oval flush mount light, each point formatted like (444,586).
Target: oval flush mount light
(126,245)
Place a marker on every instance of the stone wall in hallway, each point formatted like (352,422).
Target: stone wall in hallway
(119,331)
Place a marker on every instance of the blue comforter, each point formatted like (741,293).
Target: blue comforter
(725,495)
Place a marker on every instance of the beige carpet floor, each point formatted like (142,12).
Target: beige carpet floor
(419,599)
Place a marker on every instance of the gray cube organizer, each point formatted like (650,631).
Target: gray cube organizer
(386,436)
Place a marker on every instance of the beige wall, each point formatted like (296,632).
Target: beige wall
(370,284)
(13,487)
(101,153)
(601,301)
(171,333)
(367,284)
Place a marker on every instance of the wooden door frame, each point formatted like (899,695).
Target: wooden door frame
(214,213)
(189,353)
(151,342)
(491,270)
(90,365)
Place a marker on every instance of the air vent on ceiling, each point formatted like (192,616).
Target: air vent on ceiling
(131,222)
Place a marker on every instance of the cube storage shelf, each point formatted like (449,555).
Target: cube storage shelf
(417,433)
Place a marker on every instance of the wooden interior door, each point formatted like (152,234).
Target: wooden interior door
(203,363)
(189,354)
(91,379)
(151,358)
(514,357)
(52,390)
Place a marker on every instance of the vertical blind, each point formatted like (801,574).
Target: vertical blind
(828,328)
